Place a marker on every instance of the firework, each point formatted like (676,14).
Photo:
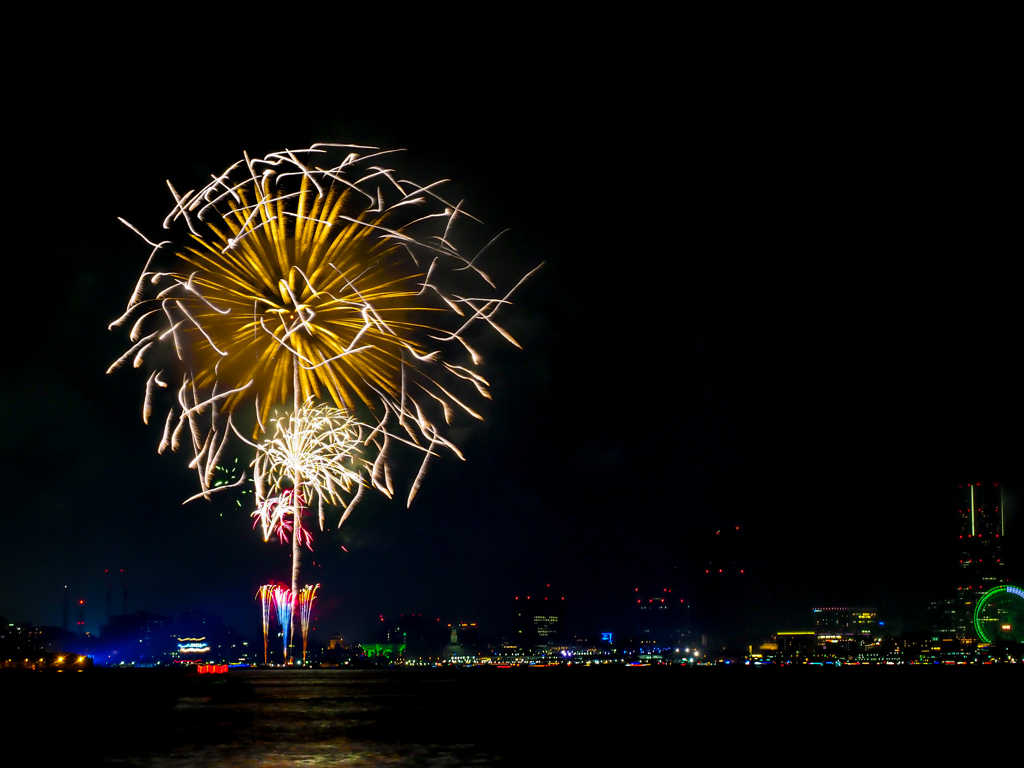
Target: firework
(305,600)
(316,273)
(315,452)
(301,277)
(266,595)
(284,601)
(280,515)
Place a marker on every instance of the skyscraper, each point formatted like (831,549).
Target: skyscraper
(539,620)
(661,617)
(719,585)
(981,527)
(981,536)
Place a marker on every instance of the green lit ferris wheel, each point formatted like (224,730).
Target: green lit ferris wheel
(999,615)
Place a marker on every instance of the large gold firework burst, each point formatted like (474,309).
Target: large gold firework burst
(298,279)
(328,283)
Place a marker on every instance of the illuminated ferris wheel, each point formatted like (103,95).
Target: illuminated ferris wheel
(999,615)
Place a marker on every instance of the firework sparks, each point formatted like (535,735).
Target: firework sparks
(305,600)
(315,453)
(266,595)
(317,447)
(317,273)
(282,514)
(284,601)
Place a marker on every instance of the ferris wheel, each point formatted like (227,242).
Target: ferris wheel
(999,615)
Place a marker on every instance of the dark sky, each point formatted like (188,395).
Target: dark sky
(779,298)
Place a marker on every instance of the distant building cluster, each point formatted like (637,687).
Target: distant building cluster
(137,639)
(976,617)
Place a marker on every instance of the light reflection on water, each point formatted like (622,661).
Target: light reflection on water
(336,752)
(312,718)
(516,717)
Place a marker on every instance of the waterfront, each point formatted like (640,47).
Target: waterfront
(559,717)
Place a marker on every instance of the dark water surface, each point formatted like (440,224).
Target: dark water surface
(529,717)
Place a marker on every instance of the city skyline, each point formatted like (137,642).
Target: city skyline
(698,615)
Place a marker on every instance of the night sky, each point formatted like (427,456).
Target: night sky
(778,299)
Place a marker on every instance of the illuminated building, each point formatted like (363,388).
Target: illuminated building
(981,533)
(979,564)
(193,645)
(381,651)
(790,645)
(844,632)
(413,634)
(928,648)
(981,552)
(539,619)
(845,622)
(464,633)
(662,617)
(19,640)
(143,638)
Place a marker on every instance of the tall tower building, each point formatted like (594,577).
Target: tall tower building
(981,536)
(981,519)
(981,528)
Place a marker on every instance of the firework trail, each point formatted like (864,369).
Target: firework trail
(284,601)
(305,600)
(266,595)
